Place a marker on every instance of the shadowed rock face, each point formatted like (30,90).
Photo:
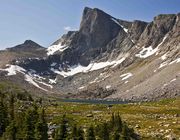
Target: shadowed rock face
(156,30)
(103,38)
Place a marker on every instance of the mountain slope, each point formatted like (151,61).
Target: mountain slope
(28,49)
(109,58)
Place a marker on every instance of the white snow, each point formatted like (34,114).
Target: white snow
(173,80)
(108,86)
(53,64)
(52,81)
(126,82)
(125,29)
(126,76)
(175,61)
(31,81)
(163,64)
(31,78)
(91,67)
(162,40)
(81,87)
(167,63)
(163,57)
(45,84)
(146,52)
(13,69)
(54,48)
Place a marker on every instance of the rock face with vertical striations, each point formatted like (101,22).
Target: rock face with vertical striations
(107,58)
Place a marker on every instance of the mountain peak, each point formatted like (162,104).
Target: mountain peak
(29,42)
(26,46)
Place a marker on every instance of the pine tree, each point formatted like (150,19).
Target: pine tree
(104,134)
(116,135)
(41,127)
(61,133)
(117,123)
(11,131)
(112,121)
(80,133)
(74,134)
(90,133)
(11,107)
(124,134)
(31,119)
(3,117)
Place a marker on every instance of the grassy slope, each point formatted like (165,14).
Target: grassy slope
(150,120)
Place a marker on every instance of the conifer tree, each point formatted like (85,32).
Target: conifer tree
(116,135)
(80,133)
(3,116)
(11,131)
(11,107)
(124,134)
(31,119)
(104,134)
(61,133)
(90,133)
(118,123)
(74,134)
(41,127)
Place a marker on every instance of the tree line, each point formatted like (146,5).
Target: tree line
(115,129)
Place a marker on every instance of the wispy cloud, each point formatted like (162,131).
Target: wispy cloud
(67,28)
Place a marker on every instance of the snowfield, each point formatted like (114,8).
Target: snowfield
(54,48)
(126,76)
(30,78)
(146,52)
(91,67)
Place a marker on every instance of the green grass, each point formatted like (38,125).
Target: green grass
(153,118)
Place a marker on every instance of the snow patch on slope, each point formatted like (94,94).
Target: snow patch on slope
(31,78)
(13,69)
(126,76)
(91,67)
(125,29)
(31,81)
(146,52)
(54,48)
(175,61)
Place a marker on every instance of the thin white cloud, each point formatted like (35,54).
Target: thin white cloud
(67,28)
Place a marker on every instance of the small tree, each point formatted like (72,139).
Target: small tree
(3,117)
(41,128)
(90,133)
(104,134)
(61,133)
(80,134)
(11,130)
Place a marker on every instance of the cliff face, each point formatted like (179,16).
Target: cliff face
(128,60)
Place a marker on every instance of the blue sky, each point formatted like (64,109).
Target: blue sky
(44,21)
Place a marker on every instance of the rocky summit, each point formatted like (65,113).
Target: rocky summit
(107,58)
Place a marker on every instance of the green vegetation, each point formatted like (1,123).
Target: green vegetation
(22,118)
(25,118)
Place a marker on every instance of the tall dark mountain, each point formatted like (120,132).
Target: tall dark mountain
(107,58)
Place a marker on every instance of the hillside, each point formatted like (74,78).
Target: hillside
(107,58)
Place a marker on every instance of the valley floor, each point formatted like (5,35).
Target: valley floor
(152,120)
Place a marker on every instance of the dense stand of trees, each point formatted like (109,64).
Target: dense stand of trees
(18,123)
(115,129)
